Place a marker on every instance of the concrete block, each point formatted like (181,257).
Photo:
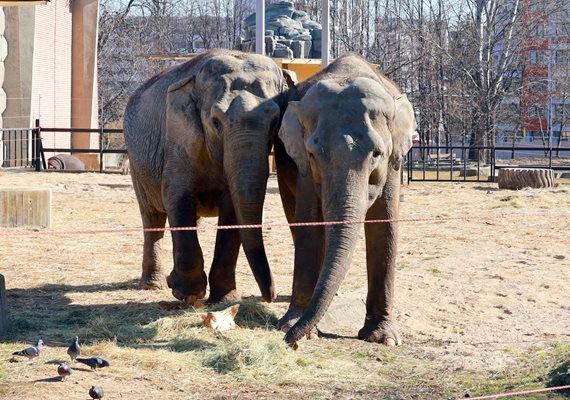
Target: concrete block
(25,207)
(3,308)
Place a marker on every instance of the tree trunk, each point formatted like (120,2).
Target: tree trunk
(519,178)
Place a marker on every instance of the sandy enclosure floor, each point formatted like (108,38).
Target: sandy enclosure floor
(468,291)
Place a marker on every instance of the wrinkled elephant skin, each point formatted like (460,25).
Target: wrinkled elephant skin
(340,149)
(198,137)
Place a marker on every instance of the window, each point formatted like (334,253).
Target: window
(563,29)
(537,85)
(562,57)
(536,111)
(558,111)
(538,30)
(537,57)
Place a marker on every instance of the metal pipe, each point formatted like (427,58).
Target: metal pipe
(325,35)
(260,27)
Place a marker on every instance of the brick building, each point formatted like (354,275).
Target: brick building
(49,64)
(540,109)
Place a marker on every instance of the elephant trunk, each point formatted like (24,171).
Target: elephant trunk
(247,171)
(340,242)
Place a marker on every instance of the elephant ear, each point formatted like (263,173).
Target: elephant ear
(290,77)
(183,124)
(291,134)
(403,127)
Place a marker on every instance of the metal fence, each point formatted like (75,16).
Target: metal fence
(24,148)
(38,154)
(452,163)
(16,147)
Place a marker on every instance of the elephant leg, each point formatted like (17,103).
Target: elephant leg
(152,276)
(187,280)
(222,275)
(381,247)
(309,246)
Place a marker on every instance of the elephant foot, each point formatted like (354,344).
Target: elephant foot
(154,281)
(230,297)
(380,332)
(187,287)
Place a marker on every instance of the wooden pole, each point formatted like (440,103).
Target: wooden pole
(3,319)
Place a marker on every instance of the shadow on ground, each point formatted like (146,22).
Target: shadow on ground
(47,312)
(560,377)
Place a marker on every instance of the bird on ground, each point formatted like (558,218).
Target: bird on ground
(96,392)
(31,352)
(74,350)
(64,370)
(93,362)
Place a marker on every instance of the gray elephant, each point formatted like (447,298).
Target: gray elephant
(65,162)
(340,149)
(198,138)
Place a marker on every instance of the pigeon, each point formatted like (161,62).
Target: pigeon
(96,392)
(31,352)
(74,350)
(93,362)
(64,370)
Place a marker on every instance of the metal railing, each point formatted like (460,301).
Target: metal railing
(39,150)
(453,163)
(15,147)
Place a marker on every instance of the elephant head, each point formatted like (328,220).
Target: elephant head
(228,107)
(347,135)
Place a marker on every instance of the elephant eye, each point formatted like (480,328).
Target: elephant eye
(376,153)
(217,124)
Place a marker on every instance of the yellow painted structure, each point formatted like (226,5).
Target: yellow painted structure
(303,67)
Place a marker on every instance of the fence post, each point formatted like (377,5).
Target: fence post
(100,149)
(3,309)
(37,146)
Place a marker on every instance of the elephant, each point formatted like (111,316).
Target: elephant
(65,162)
(340,148)
(198,138)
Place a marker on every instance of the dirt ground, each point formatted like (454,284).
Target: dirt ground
(478,293)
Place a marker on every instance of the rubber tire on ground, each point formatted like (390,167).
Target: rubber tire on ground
(519,178)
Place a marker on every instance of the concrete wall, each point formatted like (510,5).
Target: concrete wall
(18,66)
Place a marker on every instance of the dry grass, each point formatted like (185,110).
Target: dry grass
(482,305)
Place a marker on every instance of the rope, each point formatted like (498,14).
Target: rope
(495,396)
(6,233)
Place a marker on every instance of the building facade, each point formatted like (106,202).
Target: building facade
(50,63)
(538,110)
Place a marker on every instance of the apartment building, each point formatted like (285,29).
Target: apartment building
(538,110)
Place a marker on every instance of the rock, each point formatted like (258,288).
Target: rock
(312,25)
(298,48)
(285,42)
(269,45)
(284,52)
(316,34)
(287,26)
